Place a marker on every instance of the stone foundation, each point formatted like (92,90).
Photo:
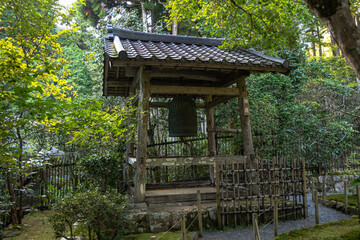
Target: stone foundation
(339,206)
(162,217)
(333,183)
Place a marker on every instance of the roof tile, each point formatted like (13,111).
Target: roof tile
(182,48)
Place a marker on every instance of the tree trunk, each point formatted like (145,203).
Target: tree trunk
(313,46)
(21,181)
(144,17)
(337,17)
(335,52)
(174,28)
(319,40)
(10,185)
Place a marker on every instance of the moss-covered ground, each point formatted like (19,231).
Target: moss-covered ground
(352,199)
(36,226)
(348,229)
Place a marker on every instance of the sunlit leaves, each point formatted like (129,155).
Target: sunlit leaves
(270,25)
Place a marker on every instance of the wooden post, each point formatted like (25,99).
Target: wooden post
(140,174)
(276,217)
(358,199)
(243,102)
(346,203)
(210,122)
(201,233)
(218,196)
(183,228)
(316,207)
(312,188)
(324,188)
(255,226)
(304,188)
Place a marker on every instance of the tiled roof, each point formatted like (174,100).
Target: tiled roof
(138,46)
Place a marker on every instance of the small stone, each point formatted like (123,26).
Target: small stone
(193,235)
(12,234)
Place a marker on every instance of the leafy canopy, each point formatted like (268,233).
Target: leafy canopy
(270,25)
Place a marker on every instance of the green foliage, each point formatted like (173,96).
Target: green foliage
(354,183)
(267,25)
(33,84)
(102,170)
(98,215)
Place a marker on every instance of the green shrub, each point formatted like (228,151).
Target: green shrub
(97,215)
(101,170)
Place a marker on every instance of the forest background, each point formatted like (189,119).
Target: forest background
(51,82)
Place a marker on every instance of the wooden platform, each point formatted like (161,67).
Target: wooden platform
(179,194)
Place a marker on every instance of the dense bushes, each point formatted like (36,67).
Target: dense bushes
(102,170)
(91,214)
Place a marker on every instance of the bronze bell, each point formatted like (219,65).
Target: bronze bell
(182,117)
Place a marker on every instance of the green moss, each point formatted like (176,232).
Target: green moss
(36,226)
(348,229)
(352,199)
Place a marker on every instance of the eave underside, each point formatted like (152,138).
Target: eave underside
(170,79)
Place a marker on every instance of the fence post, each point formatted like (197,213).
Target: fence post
(276,217)
(255,226)
(312,188)
(304,188)
(183,227)
(201,233)
(345,197)
(358,199)
(218,197)
(324,188)
(316,207)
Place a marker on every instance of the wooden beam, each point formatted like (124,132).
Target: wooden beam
(202,65)
(181,161)
(166,105)
(162,89)
(106,74)
(220,99)
(173,73)
(210,122)
(226,130)
(143,110)
(243,102)
(118,84)
(135,83)
(117,72)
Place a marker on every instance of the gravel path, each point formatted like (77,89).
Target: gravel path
(267,233)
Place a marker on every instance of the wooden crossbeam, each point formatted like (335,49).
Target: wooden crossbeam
(181,161)
(118,84)
(162,89)
(219,99)
(173,73)
(166,105)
